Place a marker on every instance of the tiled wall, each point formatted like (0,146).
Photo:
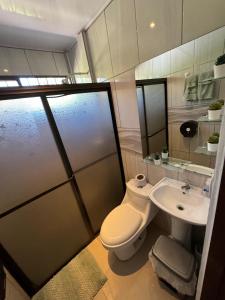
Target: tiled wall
(125,105)
(111,50)
(194,57)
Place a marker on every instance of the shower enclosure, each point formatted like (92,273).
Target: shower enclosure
(61,174)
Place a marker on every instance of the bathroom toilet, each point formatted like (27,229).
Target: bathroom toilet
(124,229)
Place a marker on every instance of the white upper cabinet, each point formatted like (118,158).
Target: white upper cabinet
(41,62)
(159,24)
(13,60)
(99,48)
(78,61)
(201,17)
(61,64)
(121,27)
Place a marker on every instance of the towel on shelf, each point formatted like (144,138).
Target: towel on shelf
(206,86)
(191,88)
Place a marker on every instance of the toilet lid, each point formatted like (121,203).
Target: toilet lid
(121,223)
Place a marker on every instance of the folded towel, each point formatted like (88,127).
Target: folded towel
(191,88)
(206,86)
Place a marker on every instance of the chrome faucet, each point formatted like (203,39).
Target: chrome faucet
(186,187)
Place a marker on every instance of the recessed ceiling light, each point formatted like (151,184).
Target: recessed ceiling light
(5,70)
(152,25)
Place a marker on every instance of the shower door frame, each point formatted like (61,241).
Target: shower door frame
(43,92)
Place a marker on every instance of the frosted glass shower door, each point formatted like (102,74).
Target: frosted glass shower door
(29,162)
(85,125)
(41,224)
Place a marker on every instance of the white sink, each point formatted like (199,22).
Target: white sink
(191,207)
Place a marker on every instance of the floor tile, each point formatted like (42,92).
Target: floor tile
(133,279)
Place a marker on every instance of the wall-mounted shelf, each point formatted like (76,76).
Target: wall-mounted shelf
(218,78)
(214,79)
(203,150)
(205,119)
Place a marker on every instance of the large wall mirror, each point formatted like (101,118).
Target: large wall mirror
(187,118)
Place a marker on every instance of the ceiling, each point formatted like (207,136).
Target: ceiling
(45,24)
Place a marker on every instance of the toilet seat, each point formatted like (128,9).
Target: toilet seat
(121,224)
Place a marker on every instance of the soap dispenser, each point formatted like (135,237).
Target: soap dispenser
(206,190)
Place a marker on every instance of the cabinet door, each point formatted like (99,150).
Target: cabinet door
(121,26)
(61,63)
(159,26)
(41,62)
(99,48)
(14,60)
(202,17)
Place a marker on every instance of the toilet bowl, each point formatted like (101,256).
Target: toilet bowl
(124,229)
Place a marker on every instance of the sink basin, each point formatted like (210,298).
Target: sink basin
(191,207)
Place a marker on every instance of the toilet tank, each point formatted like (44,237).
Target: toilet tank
(138,196)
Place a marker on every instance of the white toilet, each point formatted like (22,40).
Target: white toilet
(124,229)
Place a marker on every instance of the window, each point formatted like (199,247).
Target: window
(13,81)
(8,83)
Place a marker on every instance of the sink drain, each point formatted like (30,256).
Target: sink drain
(180,207)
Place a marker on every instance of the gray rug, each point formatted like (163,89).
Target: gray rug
(80,279)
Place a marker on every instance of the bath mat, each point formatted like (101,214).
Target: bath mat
(80,279)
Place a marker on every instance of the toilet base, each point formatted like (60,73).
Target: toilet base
(126,252)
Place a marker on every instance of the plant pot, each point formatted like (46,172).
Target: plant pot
(214,114)
(219,71)
(164,155)
(212,147)
(157,162)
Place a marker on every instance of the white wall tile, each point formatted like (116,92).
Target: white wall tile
(99,48)
(210,46)
(202,17)
(121,27)
(167,16)
(115,102)
(141,166)
(144,70)
(161,65)
(15,61)
(127,100)
(155,173)
(123,153)
(41,62)
(131,164)
(61,63)
(182,57)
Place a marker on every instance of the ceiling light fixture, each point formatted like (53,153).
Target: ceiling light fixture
(152,25)
(5,70)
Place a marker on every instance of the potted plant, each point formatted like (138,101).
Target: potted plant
(165,153)
(219,67)
(157,159)
(221,101)
(214,111)
(213,142)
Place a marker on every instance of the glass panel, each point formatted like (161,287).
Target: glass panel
(59,80)
(101,188)
(33,81)
(85,125)
(157,142)
(42,81)
(24,81)
(44,234)
(29,160)
(51,80)
(3,83)
(12,83)
(155,107)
